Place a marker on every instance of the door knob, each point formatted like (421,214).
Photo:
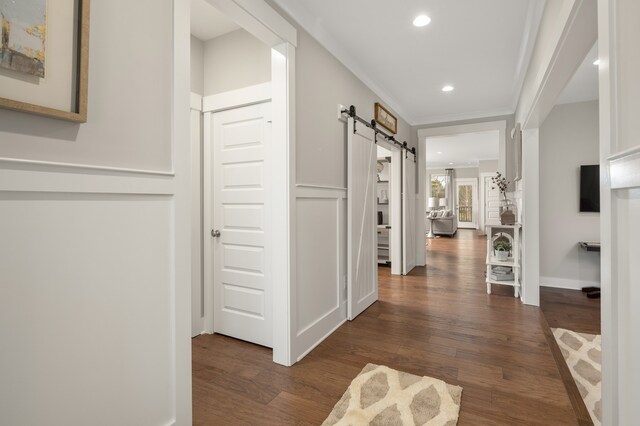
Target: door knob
(215,233)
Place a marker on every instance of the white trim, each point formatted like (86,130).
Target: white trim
(432,169)
(237,98)
(543,85)
(305,190)
(25,179)
(567,283)
(534,17)
(625,171)
(207,222)
(181,182)
(196,102)
(395,210)
(79,168)
(473,115)
(258,18)
(312,347)
(283,157)
(626,153)
(608,104)
(457,129)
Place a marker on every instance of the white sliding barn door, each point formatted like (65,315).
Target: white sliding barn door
(362,269)
(241,215)
(409,239)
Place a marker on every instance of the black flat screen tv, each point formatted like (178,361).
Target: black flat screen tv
(590,188)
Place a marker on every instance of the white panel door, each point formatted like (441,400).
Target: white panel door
(241,214)
(362,267)
(491,203)
(409,239)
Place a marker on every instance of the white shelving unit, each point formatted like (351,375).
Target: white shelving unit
(384,239)
(511,233)
(384,248)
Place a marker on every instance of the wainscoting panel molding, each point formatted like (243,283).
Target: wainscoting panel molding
(321,218)
(88,275)
(625,169)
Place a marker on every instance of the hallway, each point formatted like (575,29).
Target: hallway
(438,321)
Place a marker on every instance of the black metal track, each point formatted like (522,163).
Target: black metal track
(351,112)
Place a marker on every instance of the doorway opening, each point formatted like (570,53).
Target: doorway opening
(240,141)
(459,167)
(388,206)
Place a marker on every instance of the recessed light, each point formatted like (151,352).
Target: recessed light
(596,62)
(439,152)
(447,88)
(451,164)
(421,21)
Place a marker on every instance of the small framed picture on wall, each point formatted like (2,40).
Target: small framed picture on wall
(44,57)
(384,118)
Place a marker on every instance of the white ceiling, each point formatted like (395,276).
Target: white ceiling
(482,48)
(463,150)
(207,23)
(583,86)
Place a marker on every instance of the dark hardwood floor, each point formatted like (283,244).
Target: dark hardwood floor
(570,309)
(573,310)
(437,321)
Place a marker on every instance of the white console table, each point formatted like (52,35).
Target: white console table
(512,233)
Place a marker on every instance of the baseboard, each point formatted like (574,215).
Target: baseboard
(305,353)
(566,283)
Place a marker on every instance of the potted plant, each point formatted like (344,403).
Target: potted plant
(501,250)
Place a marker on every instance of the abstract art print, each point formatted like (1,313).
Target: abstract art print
(24,32)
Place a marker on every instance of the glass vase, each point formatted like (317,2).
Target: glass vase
(507,212)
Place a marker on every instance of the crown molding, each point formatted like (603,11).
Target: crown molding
(314,27)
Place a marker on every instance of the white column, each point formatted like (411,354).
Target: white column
(530,217)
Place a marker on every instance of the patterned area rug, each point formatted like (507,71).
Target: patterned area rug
(582,352)
(380,395)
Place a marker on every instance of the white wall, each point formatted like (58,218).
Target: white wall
(488,166)
(322,83)
(125,88)
(197,66)
(235,60)
(569,138)
(620,208)
(94,295)
(461,172)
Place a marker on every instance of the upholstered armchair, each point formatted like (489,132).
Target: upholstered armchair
(445,223)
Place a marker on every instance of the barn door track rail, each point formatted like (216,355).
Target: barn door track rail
(351,112)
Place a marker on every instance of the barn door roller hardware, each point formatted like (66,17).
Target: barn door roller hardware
(351,112)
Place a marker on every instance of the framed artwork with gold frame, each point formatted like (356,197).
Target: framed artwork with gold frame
(44,57)
(384,118)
